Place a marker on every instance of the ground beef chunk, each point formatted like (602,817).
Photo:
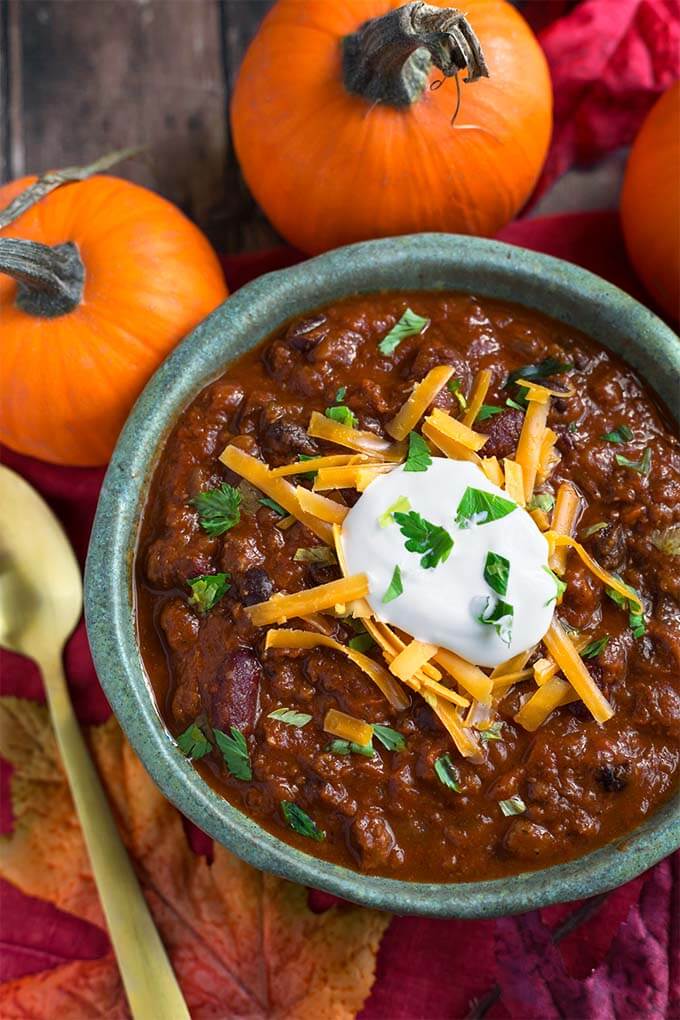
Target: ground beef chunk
(286,437)
(613,778)
(503,431)
(255,585)
(372,840)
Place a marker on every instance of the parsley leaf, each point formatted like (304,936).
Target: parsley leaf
(395,588)
(319,554)
(499,615)
(207,590)
(514,806)
(340,394)
(497,572)
(290,717)
(343,415)
(594,648)
(488,411)
(389,738)
(273,505)
(235,753)
(453,386)
(515,406)
(419,457)
(541,370)
(300,822)
(433,541)
(542,501)
(636,620)
(361,642)
(193,742)
(480,507)
(409,324)
(447,773)
(402,503)
(218,509)
(621,434)
(349,747)
(642,466)
(560,586)
(593,529)
(492,732)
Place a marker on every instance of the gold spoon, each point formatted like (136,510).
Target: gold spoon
(41,598)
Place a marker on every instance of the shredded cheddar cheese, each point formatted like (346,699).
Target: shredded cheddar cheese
(570,662)
(469,677)
(280,608)
(453,449)
(531,438)
(542,703)
(348,727)
(565,515)
(321,427)
(450,717)
(351,476)
(493,471)
(540,393)
(410,413)
(556,541)
(548,457)
(480,389)
(514,480)
(320,506)
(300,467)
(455,430)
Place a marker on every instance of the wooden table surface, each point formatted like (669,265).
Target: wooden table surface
(79,78)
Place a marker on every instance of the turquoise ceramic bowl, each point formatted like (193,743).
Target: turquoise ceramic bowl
(422,261)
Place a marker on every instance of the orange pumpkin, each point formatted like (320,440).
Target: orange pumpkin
(98,282)
(341,136)
(650,202)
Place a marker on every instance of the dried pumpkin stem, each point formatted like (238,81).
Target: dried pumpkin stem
(388,59)
(50,279)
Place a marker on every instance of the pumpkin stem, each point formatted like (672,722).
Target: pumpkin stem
(50,279)
(388,59)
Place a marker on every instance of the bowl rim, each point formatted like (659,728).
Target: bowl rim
(431,262)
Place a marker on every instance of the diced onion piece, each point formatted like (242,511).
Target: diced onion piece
(570,662)
(462,738)
(280,608)
(301,467)
(378,674)
(493,471)
(351,476)
(541,394)
(320,506)
(529,446)
(348,727)
(410,413)
(455,430)
(411,658)
(469,677)
(610,580)
(542,703)
(322,427)
(448,446)
(514,480)
(278,489)
(567,505)
(548,457)
(480,389)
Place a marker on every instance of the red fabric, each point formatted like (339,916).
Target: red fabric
(619,964)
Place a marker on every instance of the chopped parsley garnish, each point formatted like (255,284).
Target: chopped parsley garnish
(492,732)
(207,590)
(395,588)
(540,370)
(342,414)
(340,394)
(514,806)
(273,505)
(593,529)
(218,509)
(488,411)
(497,572)
(453,386)
(593,648)
(389,738)
(235,753)
(409,324)
(560,586)
(300,822)
(542,501)
(419,457)
(499,615)
(621,434)
(642,466)
(400,504)
(290,717)
(514,405)
(447,773)
(480,507)
(636,620)
(433,541)
(193,742)
(361,642)
(349,747)
(319,554)
(667,541)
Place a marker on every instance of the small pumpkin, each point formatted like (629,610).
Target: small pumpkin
(650,202)
(99,279)
(341,135)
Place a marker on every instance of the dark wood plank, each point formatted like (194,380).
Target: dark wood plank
(4,92)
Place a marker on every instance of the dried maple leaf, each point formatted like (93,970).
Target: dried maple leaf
(243,944)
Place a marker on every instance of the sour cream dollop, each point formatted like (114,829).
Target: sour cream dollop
(442,604)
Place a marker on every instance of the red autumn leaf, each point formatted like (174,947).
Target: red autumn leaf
(609,63)
(242,943)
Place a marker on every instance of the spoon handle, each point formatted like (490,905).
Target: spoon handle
(150,984)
